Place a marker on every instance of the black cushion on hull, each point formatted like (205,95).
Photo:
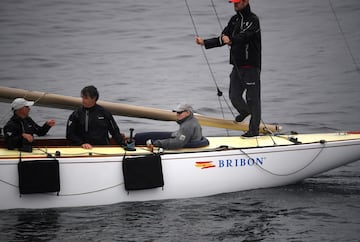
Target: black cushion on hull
(39,176)
(143,172)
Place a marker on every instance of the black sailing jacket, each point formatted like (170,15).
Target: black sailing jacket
(16,126)
(92,125)
(244,32)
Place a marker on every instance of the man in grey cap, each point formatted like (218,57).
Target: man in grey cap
(19,130)
(190,131)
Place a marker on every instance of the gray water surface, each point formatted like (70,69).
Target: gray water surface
(143,53)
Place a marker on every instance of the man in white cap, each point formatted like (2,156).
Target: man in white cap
(19,130)
(190,131)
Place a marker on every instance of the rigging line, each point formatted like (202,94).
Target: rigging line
(37,100)
(219,93)
(202,49)
(6,114)
(191,17)
(8,183)
(229,48)
(237,69)
(271,134)
(344,37)
(217,15)
(223,114)
(221,28)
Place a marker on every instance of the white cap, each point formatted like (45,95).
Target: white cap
(20,103)
(183,107)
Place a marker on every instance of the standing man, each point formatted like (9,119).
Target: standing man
(243,35)
(20,129)
(91,124)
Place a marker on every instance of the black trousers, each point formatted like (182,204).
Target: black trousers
(246,81)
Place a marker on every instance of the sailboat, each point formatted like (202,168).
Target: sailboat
(55,174)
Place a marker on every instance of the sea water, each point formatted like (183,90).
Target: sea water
(143,53)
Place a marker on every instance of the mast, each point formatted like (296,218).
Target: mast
(51,100)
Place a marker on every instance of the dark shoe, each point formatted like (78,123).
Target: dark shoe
(249,134)
(241,117)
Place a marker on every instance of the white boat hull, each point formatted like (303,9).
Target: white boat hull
(98,179)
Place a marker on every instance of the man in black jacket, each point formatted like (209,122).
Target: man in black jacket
(91,124)
(20,129)
(243,35)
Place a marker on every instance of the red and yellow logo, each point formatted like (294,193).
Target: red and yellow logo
(204,164)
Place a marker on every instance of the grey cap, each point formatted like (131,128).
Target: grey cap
(183,107)
(20,103)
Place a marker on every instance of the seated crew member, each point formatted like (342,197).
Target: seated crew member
(190,131)
(91,124)
(20,129)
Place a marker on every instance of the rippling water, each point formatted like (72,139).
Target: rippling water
(143,53)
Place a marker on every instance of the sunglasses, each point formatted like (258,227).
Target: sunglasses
(180,112)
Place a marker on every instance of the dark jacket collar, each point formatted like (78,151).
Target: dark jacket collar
(246,11)
(90,109)
(16,118)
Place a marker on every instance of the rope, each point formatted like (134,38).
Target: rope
(6,114)
(90,192)
(202,49)
(72,194)
(64,195)
(219,92)
(357,68)
(221,27)
(216,14)
(43,95)
(288,174)
(8,183)
(37,100)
